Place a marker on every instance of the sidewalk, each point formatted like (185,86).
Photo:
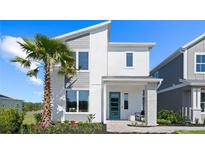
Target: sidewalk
(122,126)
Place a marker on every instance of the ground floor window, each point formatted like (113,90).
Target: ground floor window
(126,101)
(83,100)
(202,102)
(77,100)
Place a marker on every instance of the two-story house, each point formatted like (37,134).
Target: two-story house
(183,86)
(113,80)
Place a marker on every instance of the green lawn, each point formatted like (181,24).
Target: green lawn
(190,132)
(29,117)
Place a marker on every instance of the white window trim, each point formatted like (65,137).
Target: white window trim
(195,55)
(129,67)
(77,93)
(77,59)
(185,64)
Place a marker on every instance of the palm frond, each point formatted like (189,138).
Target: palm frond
(33,72)
(27,45)
(24,62)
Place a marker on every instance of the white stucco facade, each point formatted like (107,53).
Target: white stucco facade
(107,73)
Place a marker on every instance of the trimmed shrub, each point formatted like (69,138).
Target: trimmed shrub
(167,115)
(10,120)
(37,117)
(173,117)
(65,128)
(163,122)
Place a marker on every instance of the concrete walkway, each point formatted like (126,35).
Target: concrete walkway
(123,127)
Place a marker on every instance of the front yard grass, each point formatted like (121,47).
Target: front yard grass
(29,117)
(190,132)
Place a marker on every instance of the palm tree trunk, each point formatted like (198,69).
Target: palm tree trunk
(46,114)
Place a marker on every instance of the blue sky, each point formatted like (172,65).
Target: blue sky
(168,35)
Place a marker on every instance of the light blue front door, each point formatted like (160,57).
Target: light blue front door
(114,106)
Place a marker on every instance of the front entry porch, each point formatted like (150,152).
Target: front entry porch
(124,97)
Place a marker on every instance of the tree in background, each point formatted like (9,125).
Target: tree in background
(29,106)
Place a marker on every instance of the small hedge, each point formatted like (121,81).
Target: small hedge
(163,122)
(10,120)
(169,117)
(65,128)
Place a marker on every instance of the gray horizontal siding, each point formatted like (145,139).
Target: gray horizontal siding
(80,42)
(170,100)
(81,80)
(171,72)
(199,47)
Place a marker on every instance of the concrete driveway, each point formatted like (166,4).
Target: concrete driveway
(121,126)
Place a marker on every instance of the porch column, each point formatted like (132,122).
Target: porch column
(151,104)
(104,102)
(195,101)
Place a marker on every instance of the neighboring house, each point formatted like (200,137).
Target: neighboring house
(6,101)
(112,82)
(183,86)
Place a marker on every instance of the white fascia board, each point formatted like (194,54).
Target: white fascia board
(193,83)
(82,31)
(133,80)
(185,63)
(132,44)
(194,41)
(172,88)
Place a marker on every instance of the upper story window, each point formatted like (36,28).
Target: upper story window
(83,61)
(156,74)
(200,63)
(129,59)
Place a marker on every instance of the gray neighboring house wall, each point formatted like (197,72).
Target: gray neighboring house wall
(6,101)
(183,88)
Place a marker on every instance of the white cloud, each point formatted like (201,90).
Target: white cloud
(36,81)
(10,49)
(38,93)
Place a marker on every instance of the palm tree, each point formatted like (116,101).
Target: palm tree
(46,52)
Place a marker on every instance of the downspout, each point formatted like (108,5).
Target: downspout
(160,82)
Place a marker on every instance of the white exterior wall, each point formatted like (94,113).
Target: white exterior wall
(134,99)
(151,105)
(97,69)
(117,64)
(58,95)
